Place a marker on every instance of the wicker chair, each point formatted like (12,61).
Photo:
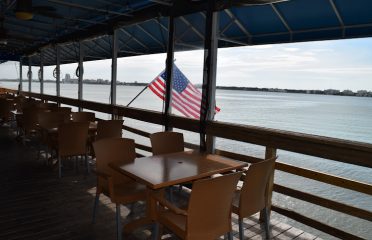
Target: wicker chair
(72,141)
(251,198)
(166,142)
(120,189)
(83,117)
(208,215)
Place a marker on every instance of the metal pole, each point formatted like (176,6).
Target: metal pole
(137,95)
(20,88)
(41,77)
(207,111)
(81,73)
(169,71)
(114,67)
(29,74)
(58,72)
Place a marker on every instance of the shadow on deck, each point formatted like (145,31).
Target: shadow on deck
(35,204)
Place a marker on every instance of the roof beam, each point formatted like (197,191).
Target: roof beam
(232,41)
(132,51)
(338,17)
(93,49)
(284,22)
(183,19)
(227,27)
(48,55)
(134,38)
(100,47)
(151,36)
(163,2)
(87,8)
(239,24)
(63,49)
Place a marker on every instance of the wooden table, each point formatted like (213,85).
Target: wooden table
(158,172)
(92,128)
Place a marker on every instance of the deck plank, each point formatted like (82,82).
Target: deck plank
(36,205)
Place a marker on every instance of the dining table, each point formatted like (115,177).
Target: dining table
(161,171)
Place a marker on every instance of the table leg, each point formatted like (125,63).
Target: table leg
(150,216)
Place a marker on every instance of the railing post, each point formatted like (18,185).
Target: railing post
(81,73)
(114,66)
(29,74)
(58,73)
(20,88)
(41,74)
(169,73)
(269,153)
(207,110)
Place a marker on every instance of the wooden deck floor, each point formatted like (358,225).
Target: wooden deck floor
(35,204)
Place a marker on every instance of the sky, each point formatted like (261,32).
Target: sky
(336,64)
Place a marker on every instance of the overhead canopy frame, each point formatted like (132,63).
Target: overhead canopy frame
(143,26)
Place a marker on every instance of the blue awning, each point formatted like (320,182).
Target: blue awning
(283,22)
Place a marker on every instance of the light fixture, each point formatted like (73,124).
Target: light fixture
(23,9)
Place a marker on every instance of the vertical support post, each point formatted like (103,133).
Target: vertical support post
(169,73)
(58,72)
(20,88)
(29,74)
(269,153)
(81,73)
(114,67)
(41,74)
(207,110)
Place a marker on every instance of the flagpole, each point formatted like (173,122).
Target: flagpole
(138,95)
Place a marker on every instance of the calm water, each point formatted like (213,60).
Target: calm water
(334,116)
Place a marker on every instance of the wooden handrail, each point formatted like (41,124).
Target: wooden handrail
(143,147)
(325,177)
(327,203)
(237,156)
(352,152)
(315,224)
(136,131)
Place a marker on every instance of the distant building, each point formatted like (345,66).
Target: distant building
(362,93)
(332,92)
(348,93)
(68,79)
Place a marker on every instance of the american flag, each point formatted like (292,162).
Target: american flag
(186,97)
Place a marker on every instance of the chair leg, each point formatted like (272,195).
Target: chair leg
(87,163)
(96,201)
(267,223)
(229,236)
(39,152)
(155,231)
(131,209)
(241,229)
(170,190)
(59,167)
(119,233)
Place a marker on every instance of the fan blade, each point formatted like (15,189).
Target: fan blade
(256,2)
(44,8)
(47,14)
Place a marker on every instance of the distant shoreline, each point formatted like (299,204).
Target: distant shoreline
(359,93)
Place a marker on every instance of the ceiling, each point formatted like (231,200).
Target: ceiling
(143,26)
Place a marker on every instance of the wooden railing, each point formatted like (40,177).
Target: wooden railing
(350,152)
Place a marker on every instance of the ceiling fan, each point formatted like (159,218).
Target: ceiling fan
(229,3)
(25,10)
(256,2)
(5,37)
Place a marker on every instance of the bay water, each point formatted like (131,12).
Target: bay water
(332,116)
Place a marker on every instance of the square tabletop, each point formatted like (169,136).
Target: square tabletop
(171,169)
